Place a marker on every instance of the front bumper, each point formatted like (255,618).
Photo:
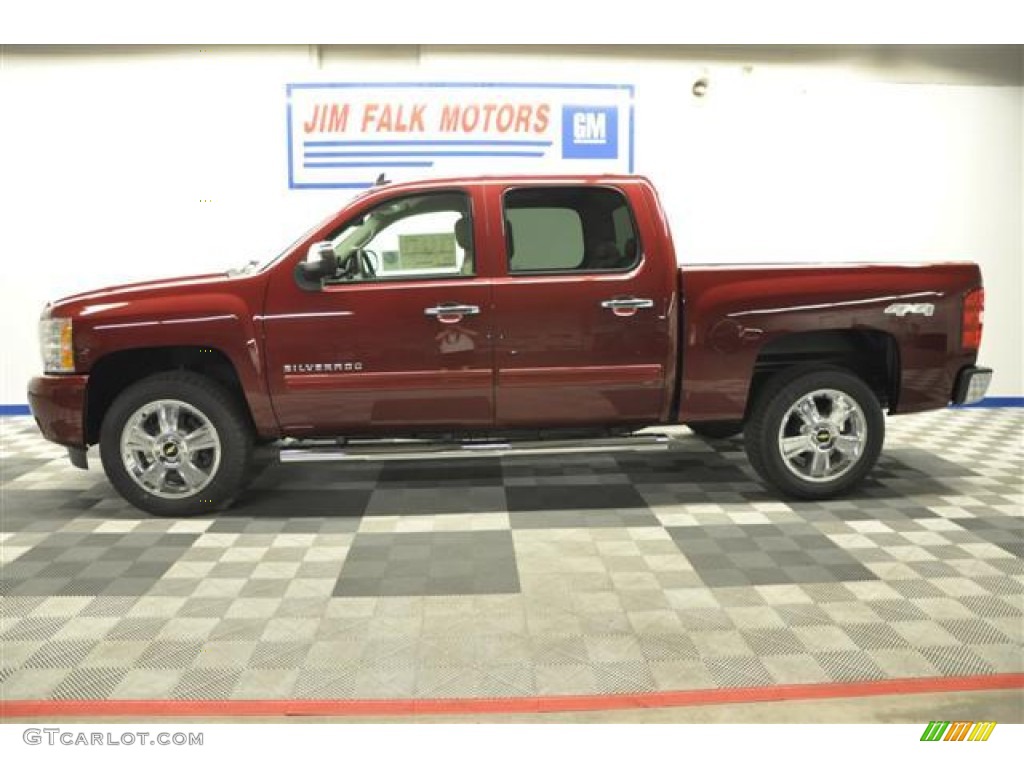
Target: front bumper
(58,404)
(971,385)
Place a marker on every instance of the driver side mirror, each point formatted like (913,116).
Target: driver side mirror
(321,262)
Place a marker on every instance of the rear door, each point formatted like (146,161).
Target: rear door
(582,314)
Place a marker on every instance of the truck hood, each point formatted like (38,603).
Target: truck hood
(104,297)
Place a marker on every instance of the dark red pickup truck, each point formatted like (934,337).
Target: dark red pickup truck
(492,315)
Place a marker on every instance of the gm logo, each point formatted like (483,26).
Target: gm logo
(590,132)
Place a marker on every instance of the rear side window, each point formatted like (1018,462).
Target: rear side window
(569,229)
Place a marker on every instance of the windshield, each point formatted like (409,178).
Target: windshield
(259,265)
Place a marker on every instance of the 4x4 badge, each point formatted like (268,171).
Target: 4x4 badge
(900,310)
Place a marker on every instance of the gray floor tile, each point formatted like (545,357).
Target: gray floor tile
(519,577)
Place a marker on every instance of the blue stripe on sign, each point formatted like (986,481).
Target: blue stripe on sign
(334,185)
(996,402)
(429,143)
(16,409)
(338,185)
(424,154)
(388,164)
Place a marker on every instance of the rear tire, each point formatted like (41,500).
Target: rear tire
(815,433)
(176,444)
(716,430)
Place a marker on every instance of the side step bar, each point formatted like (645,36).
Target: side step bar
(399,450)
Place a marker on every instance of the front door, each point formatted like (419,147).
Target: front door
(584,330)
(398,339)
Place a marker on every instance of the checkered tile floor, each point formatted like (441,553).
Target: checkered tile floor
(518,577)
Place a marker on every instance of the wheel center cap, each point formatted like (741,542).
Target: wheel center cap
(170,450)
(823,437)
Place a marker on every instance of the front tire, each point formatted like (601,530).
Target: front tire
(176,444)
(815,434)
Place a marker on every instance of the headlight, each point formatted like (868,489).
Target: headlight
(55,345)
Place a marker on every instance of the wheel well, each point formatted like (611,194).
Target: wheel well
(871,355)
(118,370)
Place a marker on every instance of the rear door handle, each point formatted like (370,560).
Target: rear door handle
(627,307)
(451,313)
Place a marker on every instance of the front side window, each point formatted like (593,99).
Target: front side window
(412,237)
(569,229)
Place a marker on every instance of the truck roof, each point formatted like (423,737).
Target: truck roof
(514,179)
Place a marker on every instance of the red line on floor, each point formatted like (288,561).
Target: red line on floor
(355,707)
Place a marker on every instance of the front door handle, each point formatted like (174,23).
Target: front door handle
(627,307)
(451,313)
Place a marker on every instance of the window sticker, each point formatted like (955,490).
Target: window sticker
(434,250)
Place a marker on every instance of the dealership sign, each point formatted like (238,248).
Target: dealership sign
(344,135)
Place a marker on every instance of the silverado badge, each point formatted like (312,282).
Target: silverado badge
(323,367)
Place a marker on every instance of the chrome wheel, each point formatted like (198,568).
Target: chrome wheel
(170,449)
(822,435)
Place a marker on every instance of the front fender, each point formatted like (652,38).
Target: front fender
(216,320)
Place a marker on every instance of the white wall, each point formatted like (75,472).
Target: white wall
(124,164)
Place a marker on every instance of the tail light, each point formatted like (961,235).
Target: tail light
(973,318)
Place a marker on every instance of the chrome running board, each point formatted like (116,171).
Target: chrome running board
(403,450)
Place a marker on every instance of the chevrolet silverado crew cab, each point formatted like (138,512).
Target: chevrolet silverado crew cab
(478,316)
